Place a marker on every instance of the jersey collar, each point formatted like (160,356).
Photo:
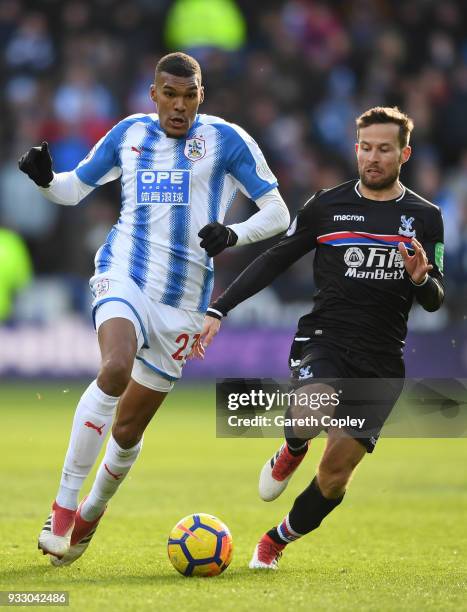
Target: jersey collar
(357,191)
(193,127)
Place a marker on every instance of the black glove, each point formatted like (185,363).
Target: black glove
(216,237)
(37,164)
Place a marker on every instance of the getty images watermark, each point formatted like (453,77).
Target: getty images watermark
(278,399)
(426,408)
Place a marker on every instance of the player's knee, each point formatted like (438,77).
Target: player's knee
(126,435)
(333,479)
(114,375)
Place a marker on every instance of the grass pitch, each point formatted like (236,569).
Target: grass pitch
(398,542)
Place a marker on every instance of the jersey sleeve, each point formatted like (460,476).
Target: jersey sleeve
(433,243)
(101,164)
(430,294)
(246,163)
(301,236)
(300,239)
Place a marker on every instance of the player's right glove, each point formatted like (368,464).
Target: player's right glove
(37,164)
(216,237)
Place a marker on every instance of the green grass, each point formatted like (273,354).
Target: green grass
(398,542)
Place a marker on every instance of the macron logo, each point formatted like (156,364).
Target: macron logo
(349,218)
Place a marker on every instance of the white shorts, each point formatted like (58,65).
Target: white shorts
(165,334)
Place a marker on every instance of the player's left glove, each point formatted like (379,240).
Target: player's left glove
(216,237)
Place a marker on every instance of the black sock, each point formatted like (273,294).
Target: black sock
(307,513)
(272,533)
(297,446)
(310,508)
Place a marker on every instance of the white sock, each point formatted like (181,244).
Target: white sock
(93,419)
(111,473)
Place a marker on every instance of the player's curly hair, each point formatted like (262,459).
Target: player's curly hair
(179,64)
(387,114)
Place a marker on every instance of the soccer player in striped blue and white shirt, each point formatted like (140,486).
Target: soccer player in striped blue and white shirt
(179,172)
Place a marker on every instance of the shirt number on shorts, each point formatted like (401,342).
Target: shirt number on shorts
(183,340)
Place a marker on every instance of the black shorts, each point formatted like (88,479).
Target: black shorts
(371,399)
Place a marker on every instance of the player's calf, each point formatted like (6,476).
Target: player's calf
(137,407)
(333,481)
(340,458)
(308,511)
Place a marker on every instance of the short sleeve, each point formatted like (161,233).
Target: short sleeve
(246,162)
(102,164)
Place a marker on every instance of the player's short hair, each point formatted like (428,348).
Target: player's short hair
(179,64)
(387,114)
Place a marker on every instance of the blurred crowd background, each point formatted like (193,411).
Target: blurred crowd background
(294,74)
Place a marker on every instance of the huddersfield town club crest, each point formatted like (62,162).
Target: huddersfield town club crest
(195,149)
(101,287)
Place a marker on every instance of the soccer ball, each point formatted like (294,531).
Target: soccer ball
(200,545)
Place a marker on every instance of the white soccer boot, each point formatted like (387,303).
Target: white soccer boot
(54,539)
(277,472)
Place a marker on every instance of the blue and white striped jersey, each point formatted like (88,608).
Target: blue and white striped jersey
(171,188)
